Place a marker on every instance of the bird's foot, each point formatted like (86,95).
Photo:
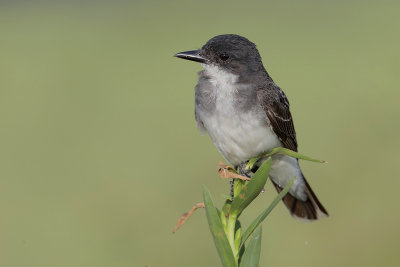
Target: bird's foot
(248,168)
(243,169)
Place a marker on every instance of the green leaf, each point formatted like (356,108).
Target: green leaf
(251,256)
(251,190)
(265,213)
(217,231)
(291,153)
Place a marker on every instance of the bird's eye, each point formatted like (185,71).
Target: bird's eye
(224,56)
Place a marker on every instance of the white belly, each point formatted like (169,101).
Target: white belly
(239,137)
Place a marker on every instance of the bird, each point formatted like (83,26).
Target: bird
(247,114)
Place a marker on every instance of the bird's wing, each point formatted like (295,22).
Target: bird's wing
(200,124)
(203,81)
(276,107)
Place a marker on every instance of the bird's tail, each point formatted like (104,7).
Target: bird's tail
(308,210)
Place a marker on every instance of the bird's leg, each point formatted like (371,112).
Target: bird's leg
(232,182)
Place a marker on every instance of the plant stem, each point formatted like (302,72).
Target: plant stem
(230,233)
(232,219)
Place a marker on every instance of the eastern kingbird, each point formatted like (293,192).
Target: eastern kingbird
(246,114)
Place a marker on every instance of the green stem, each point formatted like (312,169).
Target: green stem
(230,233)
(231,222)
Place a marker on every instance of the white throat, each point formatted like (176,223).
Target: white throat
(220,78)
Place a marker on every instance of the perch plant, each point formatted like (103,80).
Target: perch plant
(238,248)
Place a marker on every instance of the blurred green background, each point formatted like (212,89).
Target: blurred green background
(100,153)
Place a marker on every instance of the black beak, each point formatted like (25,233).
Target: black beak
(193,55)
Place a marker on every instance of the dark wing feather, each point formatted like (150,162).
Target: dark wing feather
(276,106)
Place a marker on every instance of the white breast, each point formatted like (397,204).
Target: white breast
(238,136)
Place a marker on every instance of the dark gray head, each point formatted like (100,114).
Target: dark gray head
(231,52)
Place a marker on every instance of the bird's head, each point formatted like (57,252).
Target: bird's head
(232,53)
